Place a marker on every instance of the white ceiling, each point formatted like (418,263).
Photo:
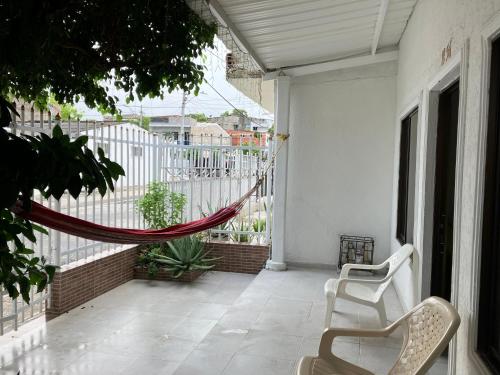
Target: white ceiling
(282,33)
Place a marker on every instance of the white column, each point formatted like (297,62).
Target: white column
(281,110)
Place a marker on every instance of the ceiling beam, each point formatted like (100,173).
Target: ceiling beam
(382,11)
(219,12)
(350,62)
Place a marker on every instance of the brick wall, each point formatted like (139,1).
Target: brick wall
(141,273)
(80,283)
(241,258)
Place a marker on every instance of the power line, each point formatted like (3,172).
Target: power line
(231,104)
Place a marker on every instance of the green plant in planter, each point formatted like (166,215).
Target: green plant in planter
(161,207)
(259,225)
(184,255)
(223,227)
(241,237)
(147,259)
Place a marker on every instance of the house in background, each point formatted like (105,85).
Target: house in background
(231,122)
(171,125)
(243,137)
(209,133)
(130,146)
(234,122)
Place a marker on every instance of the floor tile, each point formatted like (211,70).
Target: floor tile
(204,362)
(243,364)
(268,344)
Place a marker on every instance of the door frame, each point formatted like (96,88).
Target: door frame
(490,32)
(455,69)
(415,104)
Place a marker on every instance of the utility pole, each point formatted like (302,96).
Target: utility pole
(140,117)
(183,113)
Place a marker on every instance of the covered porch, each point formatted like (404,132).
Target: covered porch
(356,93)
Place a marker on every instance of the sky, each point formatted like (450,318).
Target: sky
(207,101)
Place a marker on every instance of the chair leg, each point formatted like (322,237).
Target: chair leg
(380,306)
(330,302)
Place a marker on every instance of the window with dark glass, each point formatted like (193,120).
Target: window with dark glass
(406,182)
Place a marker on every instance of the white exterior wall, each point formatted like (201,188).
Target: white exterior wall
(340,162)
(138,172)
(432,26)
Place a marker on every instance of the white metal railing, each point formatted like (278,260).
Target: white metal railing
(213,171)
(210,171)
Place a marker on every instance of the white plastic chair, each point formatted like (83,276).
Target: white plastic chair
(427,330)
(367,292)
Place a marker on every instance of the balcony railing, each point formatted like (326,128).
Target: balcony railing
(209,171)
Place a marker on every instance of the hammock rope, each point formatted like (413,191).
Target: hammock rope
(96,232)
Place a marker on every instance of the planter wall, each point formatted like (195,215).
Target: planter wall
(78,284)
(142,274)
(242,258)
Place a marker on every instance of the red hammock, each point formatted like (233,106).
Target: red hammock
(85,229)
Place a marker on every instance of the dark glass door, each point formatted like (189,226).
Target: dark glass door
(444,193)
(488,344)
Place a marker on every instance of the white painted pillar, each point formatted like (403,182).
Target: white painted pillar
(281,110)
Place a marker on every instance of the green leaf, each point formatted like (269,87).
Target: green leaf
(40,229)
(41,285)
(50,269)
(57,132)
(24,286)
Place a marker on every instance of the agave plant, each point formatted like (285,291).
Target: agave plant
(184,255)
(237,234)
(259,225)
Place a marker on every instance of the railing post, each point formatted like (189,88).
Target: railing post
(155,159)
(269,189)
(57,239)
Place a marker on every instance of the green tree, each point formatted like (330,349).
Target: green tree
(68,111)
(145,122)
(72,50)
(199,117)
(235,112)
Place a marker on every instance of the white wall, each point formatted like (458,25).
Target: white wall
(432,26)
(120,138)
(340,161)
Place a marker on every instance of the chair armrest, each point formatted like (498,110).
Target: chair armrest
(325,345)
(343,282)
(344,273)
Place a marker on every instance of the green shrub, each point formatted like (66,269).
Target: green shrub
(161,207)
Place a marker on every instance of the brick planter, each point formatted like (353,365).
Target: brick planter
(142,274)
(236,257)
(78,284)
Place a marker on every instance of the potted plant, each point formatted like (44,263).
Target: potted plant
(219,232)
(183,259)
(259,225)
(241,232)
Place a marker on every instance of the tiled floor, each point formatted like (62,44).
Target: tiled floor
(222,324)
